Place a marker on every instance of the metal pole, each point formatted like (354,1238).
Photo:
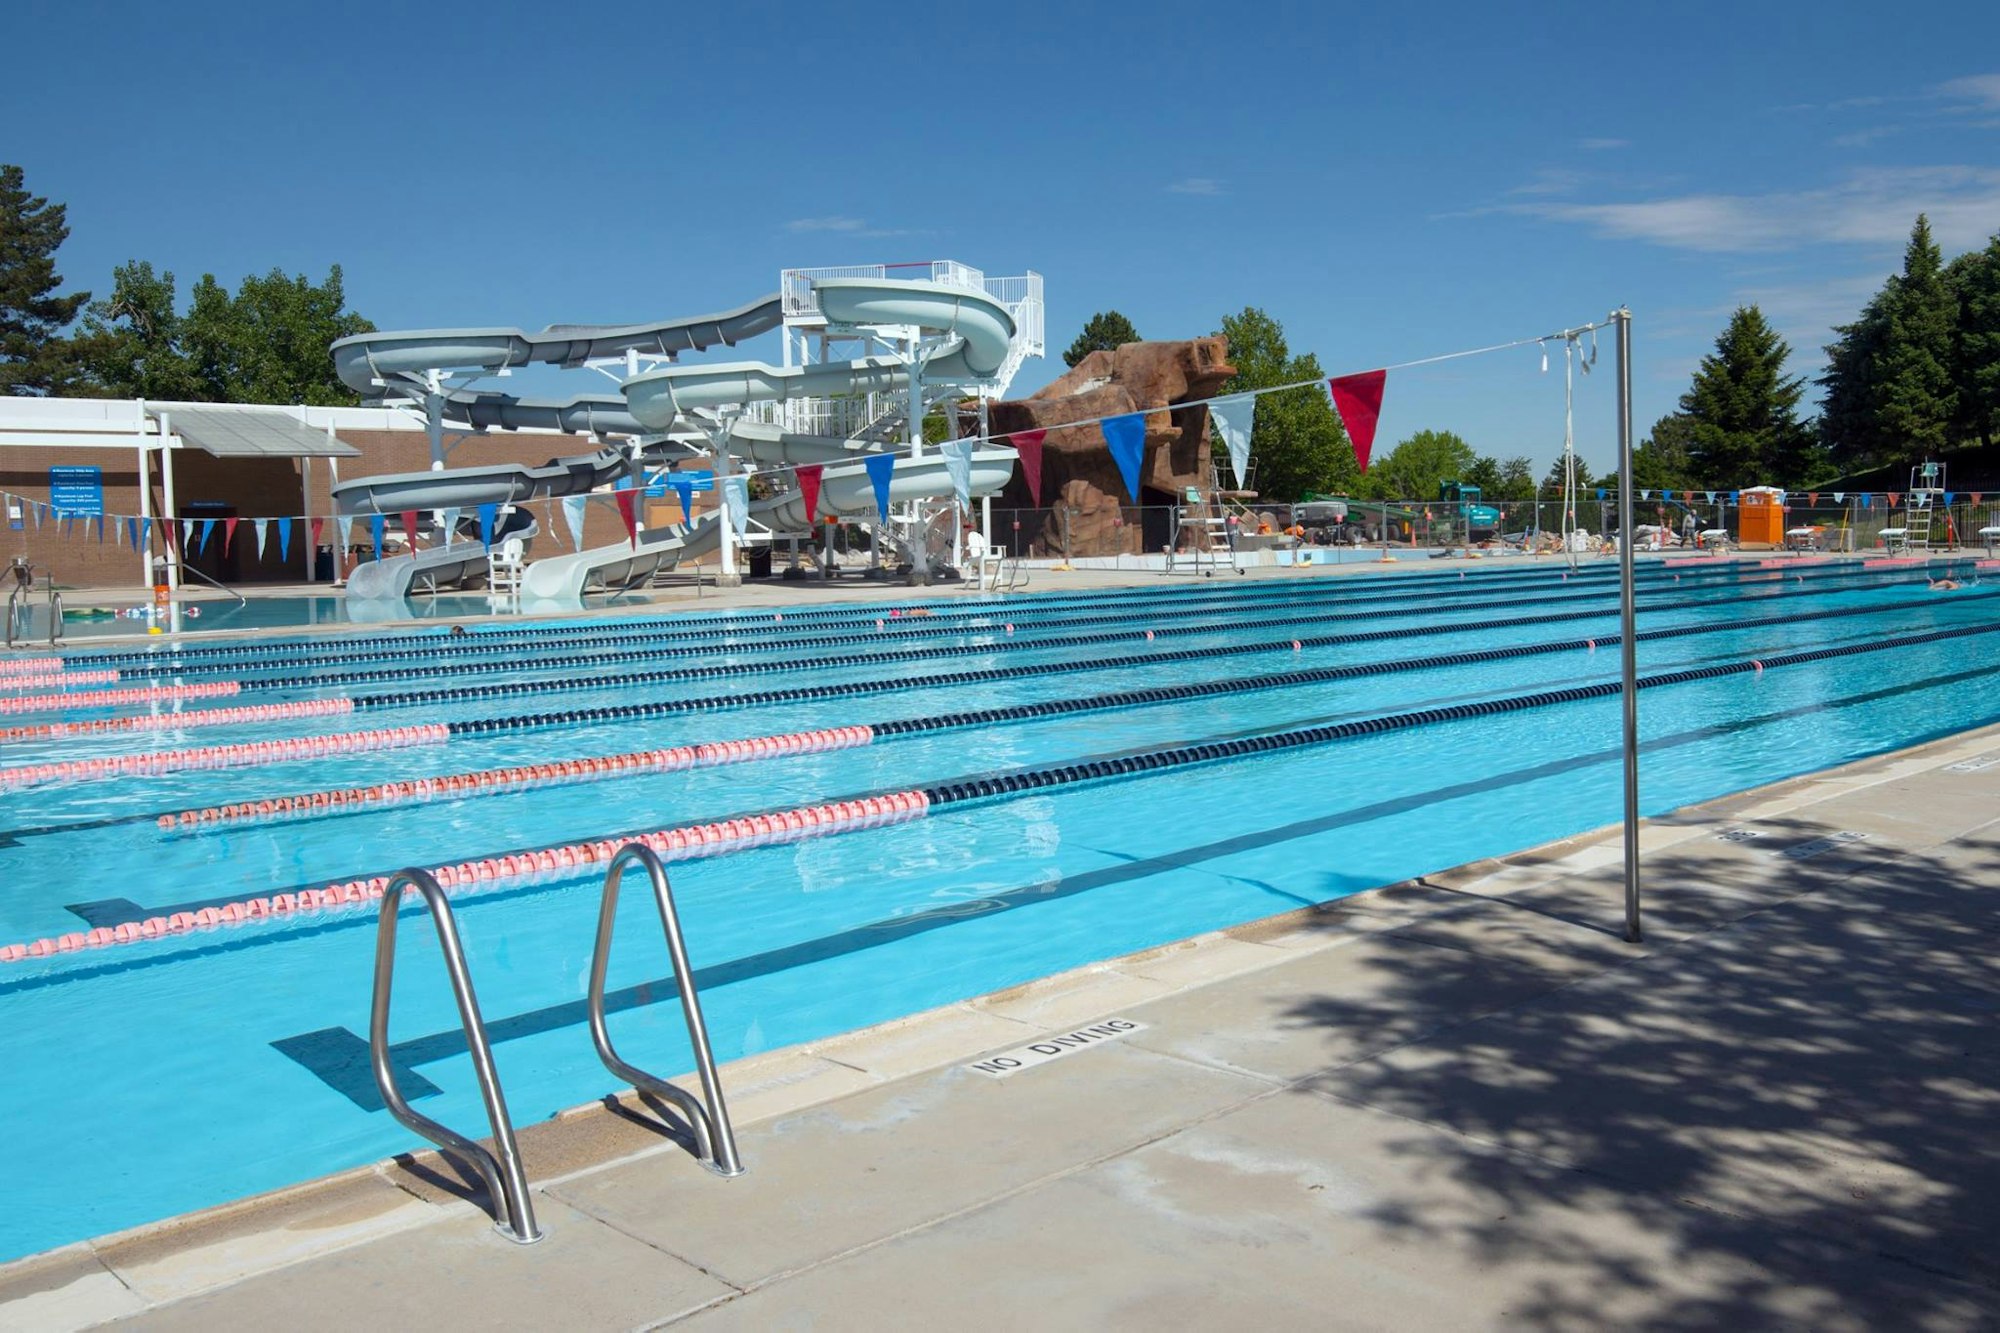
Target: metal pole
(306,505)
(1628,647)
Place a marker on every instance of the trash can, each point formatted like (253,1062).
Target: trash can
(323,564)
(760,561)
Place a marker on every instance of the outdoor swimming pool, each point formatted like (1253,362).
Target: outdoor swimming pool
(1346,732)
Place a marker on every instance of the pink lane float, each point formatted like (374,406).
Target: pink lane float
(679,844)
(204,717)
(137,694)
(244,755)
(32,666)
(496,780)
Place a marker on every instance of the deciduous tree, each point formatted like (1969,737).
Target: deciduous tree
(1297,443)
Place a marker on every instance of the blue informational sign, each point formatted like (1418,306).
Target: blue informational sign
(694,481)
(76,491)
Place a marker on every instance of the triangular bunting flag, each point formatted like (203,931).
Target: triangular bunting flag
(809,476)
(261,527)
(447,520)
(343,533)
(1840,497)
(572,519)
(1812,497)
(100,529)
(410,531)
(228,534)
(488,513)
(684,488)
(145,533)
(285,538)
(958,463)
(736,501)
(207,530)
(1126,437)
(378,527)
(1235,418)
(317,525)
(132,531)
(625,498)
(1895,498)
(1710,496)
(1358,401)
(1977,497)
(187,534)
(1028,444)
(880,468)
(1600,493)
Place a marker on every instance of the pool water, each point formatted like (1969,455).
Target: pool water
(151,1078)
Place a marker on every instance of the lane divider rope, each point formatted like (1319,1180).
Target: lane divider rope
(200,717)
(138,694)
(903,806)
(240,755)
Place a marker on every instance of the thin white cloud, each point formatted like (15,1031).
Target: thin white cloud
(1602,145)
(1201,185)
(846,226)
(1862,138)
(1982,90)
(1873,206)
(1551,180)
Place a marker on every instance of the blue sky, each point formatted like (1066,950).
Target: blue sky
(1390,181)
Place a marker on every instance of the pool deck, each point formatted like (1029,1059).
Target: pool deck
(1459,1102)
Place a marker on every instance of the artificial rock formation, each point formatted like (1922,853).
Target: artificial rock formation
(1078,472)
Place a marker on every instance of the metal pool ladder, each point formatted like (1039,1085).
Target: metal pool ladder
(715,1141)
(506,1182)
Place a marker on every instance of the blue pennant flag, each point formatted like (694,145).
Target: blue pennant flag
(1600,493)
(684,488)
(1126,436)
(488,513)
(880,466)
(284,539)
(132,531)
(100,529)
(376,524)
(1949,496)
(207,527)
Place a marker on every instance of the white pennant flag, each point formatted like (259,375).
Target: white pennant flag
(447,520)
(187,535)
(736,498)
(1234,418)
(958,462)
(573,518)
(344,525)
(1840,497)
(263,526)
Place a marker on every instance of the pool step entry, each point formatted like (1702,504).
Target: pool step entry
(500,1169)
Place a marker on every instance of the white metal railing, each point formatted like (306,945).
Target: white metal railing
(795,285)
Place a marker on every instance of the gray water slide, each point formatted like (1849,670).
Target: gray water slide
(398,362)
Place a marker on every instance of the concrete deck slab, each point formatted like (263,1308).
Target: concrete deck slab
(845,1175)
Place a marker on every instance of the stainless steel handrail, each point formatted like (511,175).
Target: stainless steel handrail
(212,581)
(506,1182)
(715,1141)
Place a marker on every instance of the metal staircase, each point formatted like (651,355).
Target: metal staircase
(1920,506)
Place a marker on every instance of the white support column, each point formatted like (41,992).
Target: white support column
(171,509)
(143,546)
(723,465)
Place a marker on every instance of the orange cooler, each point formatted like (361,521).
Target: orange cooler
(1762,517)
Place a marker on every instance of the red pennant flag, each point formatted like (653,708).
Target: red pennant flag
(625,500)
(1028,444)
(316,525)
(809,475)
(228,534)
(1895,498)
(1357,399)
(1976,497)
(410,529)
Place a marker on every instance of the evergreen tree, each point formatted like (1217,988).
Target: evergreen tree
(1105,331)
(1517,479)
(1662,461)
(1915,399)
(1553,483)
(1297,441)
(1743,412)
(1974,279)
(34,357)
(1849,426)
